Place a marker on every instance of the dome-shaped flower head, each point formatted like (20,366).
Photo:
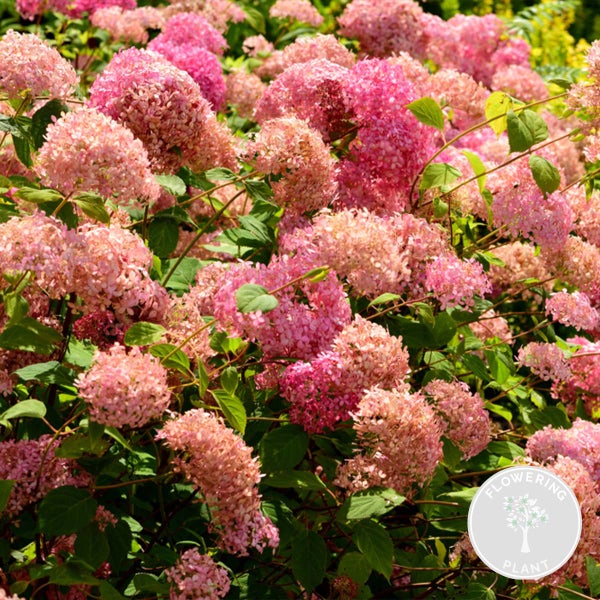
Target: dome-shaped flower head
(203,66)
(288,147)
(164,107)
(244,90)
(128,25)
(220,464)
(191,28)
(87,151)
(296,10)
(124,388)
(29,65)
(311,91)
(385,27)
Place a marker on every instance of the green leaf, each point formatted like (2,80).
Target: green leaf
(476,366)
(22,149)
(499,368)
(299,480)
(356,566)
(428,111)
(369,503)
(309,559)
(478,591)
(66,510)
(385,298)
(230,379)
(39,196)
(143,333)
(185,274)
(546,175)
(376,544)
(506,449)
(72,572)
(496,107)
(91,545)
(119,540)
(318,274)
(220,174)
(108,592)
(163,235)
(172,184)
(47,372)
(145,582)
(251,297)
(177,358)
(31,336)
(255,19)
(25,408)
(593,572)
(438,174)
(16,307)
(260,191)
(444,329)
(283,448)
(478,168)
(42,118)
(6,486)
(525,129)
(92,205)
(232,408)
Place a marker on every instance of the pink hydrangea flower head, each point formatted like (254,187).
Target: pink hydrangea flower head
(491,325)
(128,25)
(30,9)
(86,151)
(197,576)
(573,309)
(456,282)
(5,596)
(311,91)
(21,461)
(547,361)
(78,8)
(124,389)
(243,91)
(164,107)
(385,27)
(587,212)
(593,60)
(296,10)
(220,464)
(191,28)
(399,435)
(521,82)
(219,13)
(200,63)
(512,51)
(289,148)
(464,420)
(256,45)
(29,65)
(101,328)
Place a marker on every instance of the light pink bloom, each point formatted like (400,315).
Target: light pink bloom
(196,576)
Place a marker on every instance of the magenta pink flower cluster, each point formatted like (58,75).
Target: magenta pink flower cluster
(215,459)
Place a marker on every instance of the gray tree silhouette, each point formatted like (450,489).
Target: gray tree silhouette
(523,515)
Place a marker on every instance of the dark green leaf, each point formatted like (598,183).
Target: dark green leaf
(9,125)
(185,274)
(39,196)
(91,545)
(6,486)
(108,592)
(260,191)
(22,150)
(143,333)
(73,572)
(230,379)
(369,503)
(48,372)
(145,582)
(16,307)
(476,366)
(593,572)
(163,235)
(438,174)
(26,408)
(299,480)
(232,408)
(177,358)
(92,205)
(119,540)
(66,510)
(375,543)
(283,448)
(42,118)
(546,175)
(428,111)
(220,174)
(478,591)
(356,566)
(309,559)
(31,336)
(444,329)
(251,297)
(525,129)
(172,184)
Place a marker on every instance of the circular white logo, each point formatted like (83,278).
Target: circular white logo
(524,522)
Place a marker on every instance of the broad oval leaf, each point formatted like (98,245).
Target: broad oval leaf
(438,174)
(172,184)
(66,510)
(93,206)
(25,408)
(496,107)
(232,408)
(283,448)
(309,559)
(546,175)
(428,111)
(251,297)
(143,333)
(376,544)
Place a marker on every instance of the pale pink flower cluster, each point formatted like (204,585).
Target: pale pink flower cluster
(196,576)
(164,107)
(36,470)
(221,465)
(384,27)
(491,325)
(29,65)
(573,309)
(289,148)
(104,518)
(86,151)
(587,213)
(191,28)
(399,437)
(308,317)
(311,91)
(128,25)
(464,420)
(581,443)
(520,82)
(4,595)
(327,389)
(244,90)
(219,13)
(256,45)
(456,282)
(124,387)
(547,361)
(296,10)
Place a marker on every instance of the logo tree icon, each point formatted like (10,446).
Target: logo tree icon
(523,515)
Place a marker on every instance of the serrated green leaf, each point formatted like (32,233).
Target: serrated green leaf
(108,592)
(367,504)
(143,334)
(26,408)
(438,174)
(427,111)
(283,448)
(91,545)
(496,107)
(66,510)
(92,205)
(476,366)
(356,566)
(39,196)
(309,559)
(163,235)
(251,297)
(376,544)
(31,336)
(232,408)
(546,175)
(172,184)
(6,486)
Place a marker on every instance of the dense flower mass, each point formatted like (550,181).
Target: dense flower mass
(547,361)
(298,10)
(197,577)
(215,459)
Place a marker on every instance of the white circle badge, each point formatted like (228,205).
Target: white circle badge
(524,522)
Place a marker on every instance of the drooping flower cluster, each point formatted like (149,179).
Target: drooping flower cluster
(547,361)
(86,151)
(220,464)
(573,309)
(124,388)
(28,65)
(196,576)
(35,469)
(464,420)
(398,435)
